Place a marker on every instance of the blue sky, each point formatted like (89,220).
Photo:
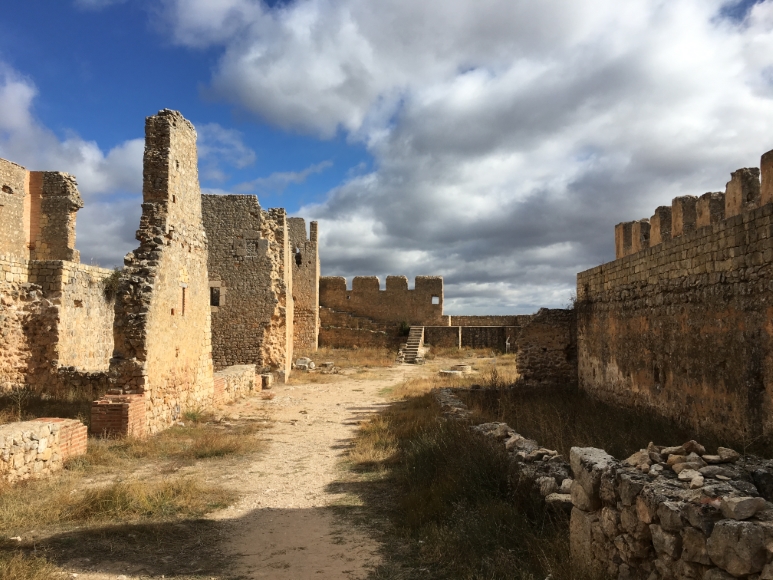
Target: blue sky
(494,142)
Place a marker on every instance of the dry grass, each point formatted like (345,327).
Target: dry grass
(347,358)
(560,418)
(17,565)
(63,501)
(453,502)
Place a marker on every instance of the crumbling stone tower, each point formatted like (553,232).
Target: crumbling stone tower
(162,362)
(305,269)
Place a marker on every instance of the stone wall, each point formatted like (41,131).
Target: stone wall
(162,314)
(672,513)
(305,268)
(235,383)
(546,349)
(395,304)
(250,283)
(344,330)
(36,449)
(515,320)
(54,199)
(684,327)
(443,336)
(18,303)
(14,210)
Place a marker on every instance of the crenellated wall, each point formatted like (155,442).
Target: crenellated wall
(684,327)
(395,304)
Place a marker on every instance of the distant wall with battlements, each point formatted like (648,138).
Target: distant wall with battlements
(421,306)
(305,272)
(682,323)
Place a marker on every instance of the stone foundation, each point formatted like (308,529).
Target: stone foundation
(236,382)
(36,449)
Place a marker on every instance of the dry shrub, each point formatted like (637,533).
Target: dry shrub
(560,418)
(453,495)
(20,566)
(59,501)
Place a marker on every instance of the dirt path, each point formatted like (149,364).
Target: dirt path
(285,525)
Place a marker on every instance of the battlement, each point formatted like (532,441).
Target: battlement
(421,306)
(748,189)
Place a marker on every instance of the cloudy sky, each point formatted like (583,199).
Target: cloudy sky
(494,142)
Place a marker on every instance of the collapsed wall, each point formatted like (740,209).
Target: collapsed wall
(55,317)
(250,283)
(162,353)
(680,323)
(305,268)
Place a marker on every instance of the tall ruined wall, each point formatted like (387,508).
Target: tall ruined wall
(162,312)
(14,210)
(395,304)
(17,305)
(248,282)
(54,199)
(305,268)
(685,327)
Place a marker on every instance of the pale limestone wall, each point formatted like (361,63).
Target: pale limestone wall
(305,267)
(162,313)
(395,304)
(249,282)
(14,210)
(235,382)
(55,201)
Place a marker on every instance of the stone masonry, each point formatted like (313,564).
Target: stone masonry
(162,313)
(251,279)
(305,267)
(684,326)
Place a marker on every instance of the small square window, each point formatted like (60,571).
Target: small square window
(436,300)
(214,296)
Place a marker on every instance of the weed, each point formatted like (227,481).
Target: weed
(454,498)
(560,418)
(110,283)
(17,565)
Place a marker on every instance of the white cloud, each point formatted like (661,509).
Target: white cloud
(96,4)
(219,147)
(110,182)
(509,136)
(277,182)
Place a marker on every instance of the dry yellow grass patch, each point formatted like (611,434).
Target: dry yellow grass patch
(20,566)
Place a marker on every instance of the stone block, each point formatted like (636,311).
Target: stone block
(683,215)
(660,225)
(710,209)
(623,239)
(766,185)
(742,192)
(640,235)
(588,465)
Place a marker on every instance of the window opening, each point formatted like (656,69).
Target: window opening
(436,300)
(183,310)
(7,189)
(298,257)
(214,296)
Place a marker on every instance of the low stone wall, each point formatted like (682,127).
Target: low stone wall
(119,415)
(235,382)
(345,330)
(443,336)
(672,513)
(36,449)
(543,471)
(515,320)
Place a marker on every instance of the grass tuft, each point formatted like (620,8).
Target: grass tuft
(17,565)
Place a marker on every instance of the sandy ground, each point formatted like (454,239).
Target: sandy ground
(286,527)
(286,524)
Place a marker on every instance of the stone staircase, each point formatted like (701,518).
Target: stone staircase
(413,351)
